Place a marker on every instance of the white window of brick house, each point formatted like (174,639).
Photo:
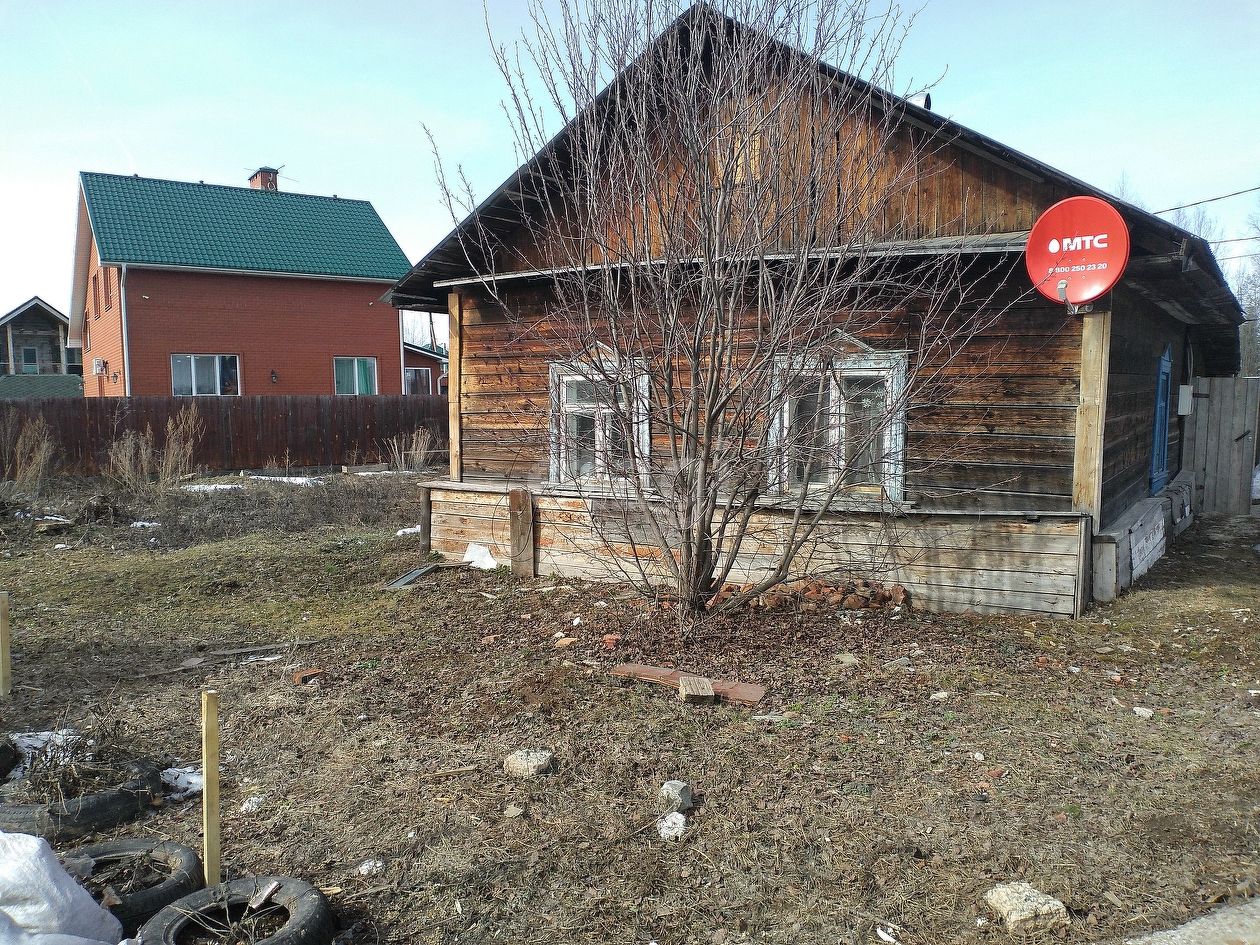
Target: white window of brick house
(595,433)
(205,375)
(354,375)
(419,380)
(843,426)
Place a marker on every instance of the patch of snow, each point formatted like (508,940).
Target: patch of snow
(31,743)
(387,472)
(146,524)
(415,530)
(183,782)
(253,804)
(211,487)
(60,547)
(291,480)
(479,557)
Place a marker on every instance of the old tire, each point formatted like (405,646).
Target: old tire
(180,864)
(80,816)
(310,919)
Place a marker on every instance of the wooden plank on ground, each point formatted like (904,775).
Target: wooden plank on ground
(738,692)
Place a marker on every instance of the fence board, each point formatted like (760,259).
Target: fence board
(240,432)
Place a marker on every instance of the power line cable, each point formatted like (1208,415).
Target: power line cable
(1186,206)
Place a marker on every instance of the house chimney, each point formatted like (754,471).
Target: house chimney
(264,179)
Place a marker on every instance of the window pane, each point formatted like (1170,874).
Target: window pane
(579,444)
(865,423)
(579,391)
(181,375)
(616,446)
(808,431)
(205,371)
(229,375)
(343,375)
(367,376)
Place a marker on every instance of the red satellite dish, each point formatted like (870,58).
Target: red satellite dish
(1077,250)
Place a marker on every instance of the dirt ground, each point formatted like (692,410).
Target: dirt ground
(848,802)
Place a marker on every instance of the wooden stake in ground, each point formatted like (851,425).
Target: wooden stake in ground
(210,785)
(6,668)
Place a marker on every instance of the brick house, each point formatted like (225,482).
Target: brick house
(424,369)
(191,288)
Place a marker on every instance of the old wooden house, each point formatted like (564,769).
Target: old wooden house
(1046,463)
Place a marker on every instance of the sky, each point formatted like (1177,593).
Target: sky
(1156,94)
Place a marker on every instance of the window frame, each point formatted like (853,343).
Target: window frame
(889,366)
(218,373)
(560,374)
(428,387)
(356,358)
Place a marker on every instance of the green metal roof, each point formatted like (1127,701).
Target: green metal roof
(39,386)
(142,221)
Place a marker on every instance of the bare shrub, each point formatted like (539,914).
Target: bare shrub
(140,468)
(414,452)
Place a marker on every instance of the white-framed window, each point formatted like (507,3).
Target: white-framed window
(843,425)
(596,434)
(354,375)
(419,380)
(205,374)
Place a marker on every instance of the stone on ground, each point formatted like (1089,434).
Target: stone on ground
(677,795)
(526,763)
(672,826)
(1025,909)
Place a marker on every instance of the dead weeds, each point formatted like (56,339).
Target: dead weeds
(850,799)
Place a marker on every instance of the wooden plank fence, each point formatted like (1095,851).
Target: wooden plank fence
(240,432)
(1220,443)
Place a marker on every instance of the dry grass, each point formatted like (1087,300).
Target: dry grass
(143,470)
(858,802)
(27,455)
(418,452)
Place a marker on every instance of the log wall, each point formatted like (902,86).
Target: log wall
(1139,334)
(989,429)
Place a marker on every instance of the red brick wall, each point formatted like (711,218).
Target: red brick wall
(417,360)
(294,327)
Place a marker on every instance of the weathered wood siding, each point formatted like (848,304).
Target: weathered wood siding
(893,182)
(991,427)
(992,563)
(1139,334)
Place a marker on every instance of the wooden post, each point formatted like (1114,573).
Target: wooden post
(1091,416)
(426,520)
(6,668)
(454,381)
(210,786)
(521,532)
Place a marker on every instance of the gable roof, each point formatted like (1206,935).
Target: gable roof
(34,302)
(1172,252)
(442,355)
(143,221)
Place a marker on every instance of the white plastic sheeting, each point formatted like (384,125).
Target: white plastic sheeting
(41,904)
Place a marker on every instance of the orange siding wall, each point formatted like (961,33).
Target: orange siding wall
(103,326)
(294,327)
